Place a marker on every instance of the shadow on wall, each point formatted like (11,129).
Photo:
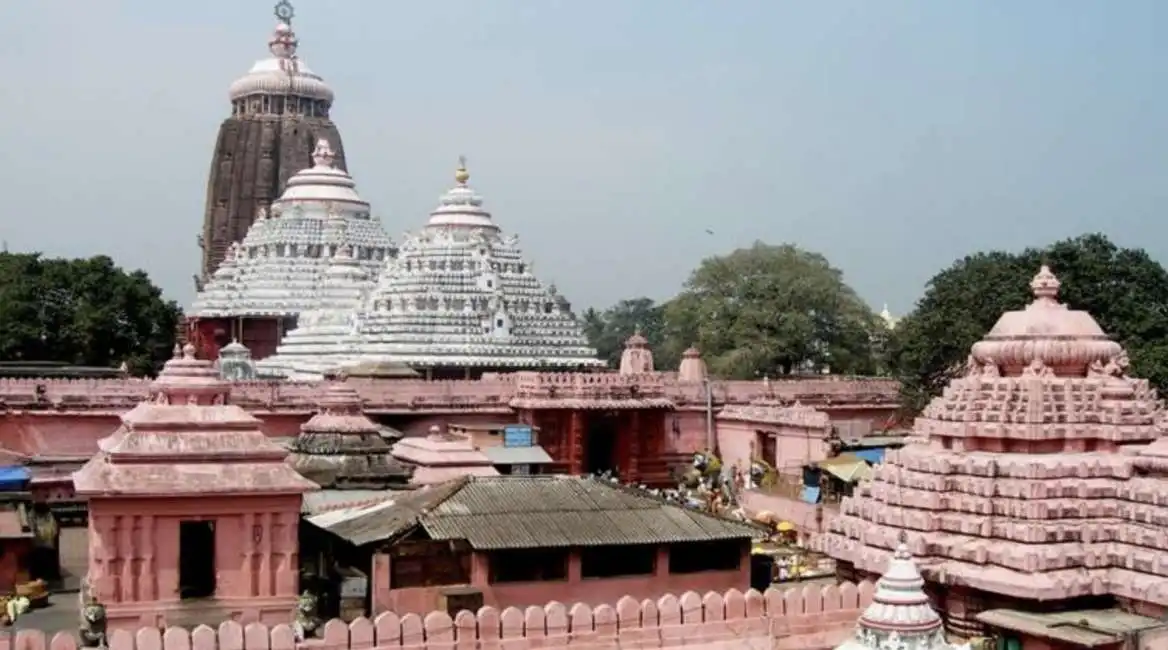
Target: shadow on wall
(806,618)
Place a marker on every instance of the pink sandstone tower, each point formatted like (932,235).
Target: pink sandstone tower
(192,510)
(1039,475)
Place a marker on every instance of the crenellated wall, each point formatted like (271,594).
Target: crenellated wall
(808,618)
(855,395)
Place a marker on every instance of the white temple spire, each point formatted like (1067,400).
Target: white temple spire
(900,615)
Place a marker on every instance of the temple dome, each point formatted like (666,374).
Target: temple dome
(324,186)
(461,205)
(283,73)
(1045,332)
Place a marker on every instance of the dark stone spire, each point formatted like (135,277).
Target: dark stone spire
(279,111)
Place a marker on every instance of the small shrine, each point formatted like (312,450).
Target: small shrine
(443,456)
(193,512)
(900,615)
(342,449)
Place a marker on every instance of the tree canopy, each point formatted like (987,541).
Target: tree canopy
(84,312)
(607,331)
(763,310)
(1123,288)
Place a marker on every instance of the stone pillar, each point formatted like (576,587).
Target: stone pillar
(634,433)
(573,566)
(575,443)
(960,610)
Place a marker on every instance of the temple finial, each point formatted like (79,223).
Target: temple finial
(283,44)
(461,175)
(1045,285)
(322,155)
(284,12)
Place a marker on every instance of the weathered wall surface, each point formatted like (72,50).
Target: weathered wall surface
(811,618)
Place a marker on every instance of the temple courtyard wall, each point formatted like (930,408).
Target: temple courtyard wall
(66,417)
(808,618)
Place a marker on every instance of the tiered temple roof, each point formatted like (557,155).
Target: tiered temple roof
(326,336)
(341,448)
(900,615)
(1038,475)
(188,441)
(280,266)
(460,295)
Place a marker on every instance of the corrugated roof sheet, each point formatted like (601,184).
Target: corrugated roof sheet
(556,511)
(510,512)
(1087,628)
(534,455)
(379,521)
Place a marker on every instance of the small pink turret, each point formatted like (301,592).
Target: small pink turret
(637,359)
(692,368)
(443,456)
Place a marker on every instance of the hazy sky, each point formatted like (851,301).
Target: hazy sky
(892,136)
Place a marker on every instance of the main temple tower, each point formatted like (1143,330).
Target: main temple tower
(279,111)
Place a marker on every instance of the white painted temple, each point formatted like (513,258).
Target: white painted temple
(458,299)
(280,266)
(326,336)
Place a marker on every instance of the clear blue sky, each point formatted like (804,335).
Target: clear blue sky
(892,136)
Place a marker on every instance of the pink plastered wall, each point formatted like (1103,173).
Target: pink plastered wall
(809,618)
(134,556)
(795,446)
(590,591)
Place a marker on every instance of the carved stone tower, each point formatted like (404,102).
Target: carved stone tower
(279,110)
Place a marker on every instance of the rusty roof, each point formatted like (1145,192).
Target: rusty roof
(512,512)
(381,521)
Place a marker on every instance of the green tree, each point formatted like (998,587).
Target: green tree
(772,310)
(607,331)
(82,311)
(1123,288)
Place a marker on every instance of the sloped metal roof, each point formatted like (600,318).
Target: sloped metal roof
(557,511)
(513,512)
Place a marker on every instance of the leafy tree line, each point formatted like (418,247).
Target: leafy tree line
(775,310)
(1123,288)
(760,311)
(84,312)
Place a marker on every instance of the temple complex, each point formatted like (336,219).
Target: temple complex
(457,301)
(281,266)
(192,510)
(279,111)
(1036,482)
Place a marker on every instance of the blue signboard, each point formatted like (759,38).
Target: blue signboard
(518,435)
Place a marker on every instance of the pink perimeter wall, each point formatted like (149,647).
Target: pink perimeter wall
(810,618)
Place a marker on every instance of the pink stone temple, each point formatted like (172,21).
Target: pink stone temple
(1039,479)
(189,476)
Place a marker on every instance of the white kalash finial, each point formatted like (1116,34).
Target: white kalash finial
(322,155)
